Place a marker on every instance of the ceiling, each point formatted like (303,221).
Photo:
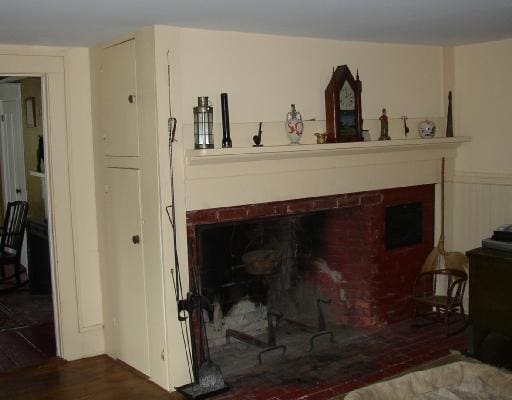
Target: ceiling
(88,22)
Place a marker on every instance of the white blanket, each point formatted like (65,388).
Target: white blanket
(457,381)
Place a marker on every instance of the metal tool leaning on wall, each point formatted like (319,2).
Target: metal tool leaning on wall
(207,379)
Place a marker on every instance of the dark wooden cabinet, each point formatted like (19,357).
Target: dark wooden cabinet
(490,295)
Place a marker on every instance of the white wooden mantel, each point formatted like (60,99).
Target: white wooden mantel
(236,176)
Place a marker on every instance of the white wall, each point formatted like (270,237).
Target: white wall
(482,102)
(82,181)
(167,54)
(482,99)
(264,74)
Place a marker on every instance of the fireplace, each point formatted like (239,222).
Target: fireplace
(357,254)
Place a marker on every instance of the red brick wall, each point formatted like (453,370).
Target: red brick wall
(403,264)
(376,283)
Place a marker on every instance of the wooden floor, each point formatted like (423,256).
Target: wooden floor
(100,378)
(27,334)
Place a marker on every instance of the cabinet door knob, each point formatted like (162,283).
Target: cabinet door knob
(131,99)
(135,239)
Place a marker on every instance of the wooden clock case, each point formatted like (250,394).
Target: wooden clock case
(333,112)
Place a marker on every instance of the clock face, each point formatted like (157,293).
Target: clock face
(347,97)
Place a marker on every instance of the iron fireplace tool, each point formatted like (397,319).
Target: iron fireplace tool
(208,379)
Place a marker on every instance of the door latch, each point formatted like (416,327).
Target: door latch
(135,239)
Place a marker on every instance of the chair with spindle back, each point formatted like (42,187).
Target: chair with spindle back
(441,292)
(11,242)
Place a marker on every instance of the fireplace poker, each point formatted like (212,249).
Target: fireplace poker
(207,379)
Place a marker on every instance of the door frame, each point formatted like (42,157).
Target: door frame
(51,232)
(57,70)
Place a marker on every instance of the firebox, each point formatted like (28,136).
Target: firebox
(306,260)
(252,269)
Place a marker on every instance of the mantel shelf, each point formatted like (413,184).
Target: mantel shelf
(244,154)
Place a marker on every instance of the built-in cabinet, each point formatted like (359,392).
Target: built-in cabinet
(119,119)
(127,319)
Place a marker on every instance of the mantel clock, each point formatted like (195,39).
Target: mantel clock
(343,115)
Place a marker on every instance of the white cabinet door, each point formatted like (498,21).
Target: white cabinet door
(119,121)
(126,268)
(11,143)
(12,150)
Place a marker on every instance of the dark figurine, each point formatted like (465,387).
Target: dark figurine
(406,128)
(384,126)
(449,120)
(257,138)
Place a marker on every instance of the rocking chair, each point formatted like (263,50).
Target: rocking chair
(11,242)
(440,294)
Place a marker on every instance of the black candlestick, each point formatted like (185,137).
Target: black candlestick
(226,138)
(449,120)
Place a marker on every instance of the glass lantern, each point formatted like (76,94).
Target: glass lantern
(203,124)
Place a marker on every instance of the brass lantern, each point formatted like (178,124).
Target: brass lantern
(203,124)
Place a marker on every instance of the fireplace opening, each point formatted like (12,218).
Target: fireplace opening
(252,268)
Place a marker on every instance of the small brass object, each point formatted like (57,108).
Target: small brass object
(321,137)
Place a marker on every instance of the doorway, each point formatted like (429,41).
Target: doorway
(27,323)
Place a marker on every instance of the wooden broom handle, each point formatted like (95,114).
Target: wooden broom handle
(442,202)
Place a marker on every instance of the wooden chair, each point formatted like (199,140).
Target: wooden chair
(440,294)
(11,242)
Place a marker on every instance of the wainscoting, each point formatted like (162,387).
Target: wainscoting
(481,202)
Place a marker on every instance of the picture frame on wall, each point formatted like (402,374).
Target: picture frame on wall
(30,112)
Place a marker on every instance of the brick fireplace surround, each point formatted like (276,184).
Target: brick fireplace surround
(376,282)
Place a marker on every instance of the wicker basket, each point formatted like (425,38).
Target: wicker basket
(261,262)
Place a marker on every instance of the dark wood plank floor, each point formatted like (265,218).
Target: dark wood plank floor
(27,334)
(98,378)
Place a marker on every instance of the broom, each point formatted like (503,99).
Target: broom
(439,258)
